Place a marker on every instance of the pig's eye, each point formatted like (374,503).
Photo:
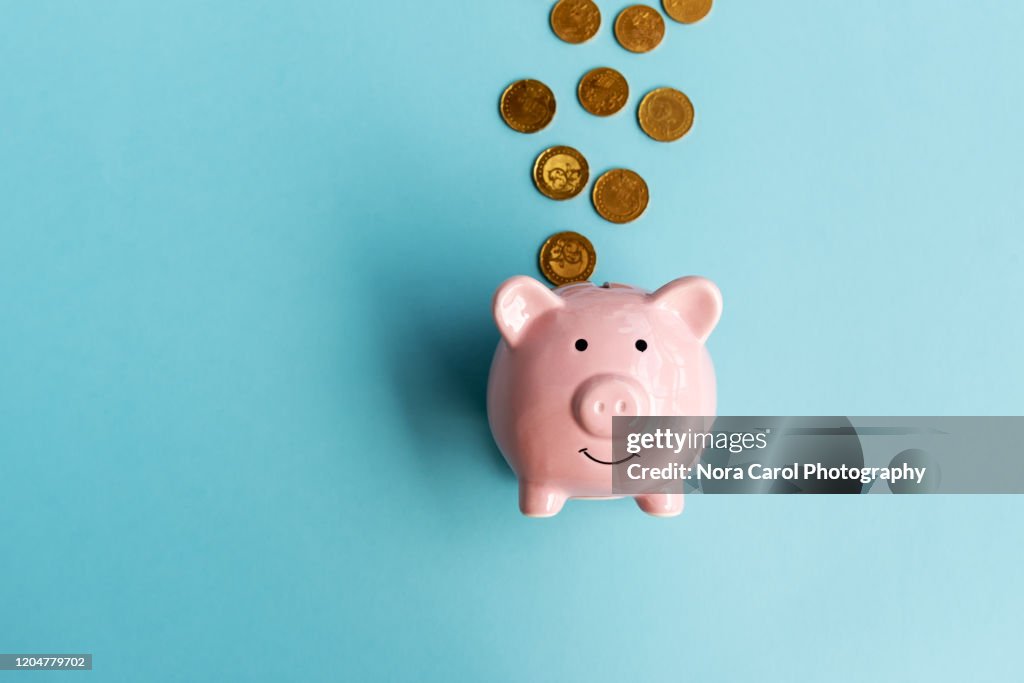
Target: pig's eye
(641,345)
(581,344)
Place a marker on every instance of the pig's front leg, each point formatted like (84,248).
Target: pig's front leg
(538,500)
(661,504)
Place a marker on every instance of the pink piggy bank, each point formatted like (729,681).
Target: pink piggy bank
(572,358)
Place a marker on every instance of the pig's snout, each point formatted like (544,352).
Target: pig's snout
(601,398)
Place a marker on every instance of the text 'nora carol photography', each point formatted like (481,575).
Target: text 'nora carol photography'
(758,471)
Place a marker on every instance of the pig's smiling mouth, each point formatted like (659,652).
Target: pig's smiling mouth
(603,462)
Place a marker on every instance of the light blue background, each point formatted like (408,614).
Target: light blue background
(247,254)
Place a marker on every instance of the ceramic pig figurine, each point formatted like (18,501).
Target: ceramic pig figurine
(572,358)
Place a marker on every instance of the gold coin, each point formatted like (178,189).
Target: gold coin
(620,196)
(639,28)
(575,21)
(603,91)
(527,106)
(666,114)
(561,172)
(567,257)
(687,11)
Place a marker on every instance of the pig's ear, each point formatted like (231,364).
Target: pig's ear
(518,302)
(696,300)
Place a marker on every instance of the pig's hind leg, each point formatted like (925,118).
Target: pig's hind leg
(661,504)
(537,500)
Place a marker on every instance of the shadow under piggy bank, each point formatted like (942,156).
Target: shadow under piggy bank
(792,442)
(442,384)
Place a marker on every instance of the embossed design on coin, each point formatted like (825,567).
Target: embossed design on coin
(665,114)
(527,106)
(687,11)
(603,91)
(567,257)
(575,21)
(561,172)
(620,195)
(639,28)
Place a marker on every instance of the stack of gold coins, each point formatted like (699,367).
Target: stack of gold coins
(562,172)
